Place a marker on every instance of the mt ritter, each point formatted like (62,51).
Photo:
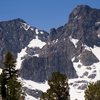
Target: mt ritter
(72,49)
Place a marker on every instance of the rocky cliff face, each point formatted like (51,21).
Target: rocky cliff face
(15,35)
(68,49)
(82,28)
(84,25)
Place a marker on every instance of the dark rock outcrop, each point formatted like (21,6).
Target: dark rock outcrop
(88,58)
(83,25)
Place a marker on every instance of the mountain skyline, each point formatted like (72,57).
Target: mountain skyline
(72,49)
(42,14)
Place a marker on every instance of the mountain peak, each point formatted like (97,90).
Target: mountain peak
(14,20)
(83,7)
(17,20)
(80,10)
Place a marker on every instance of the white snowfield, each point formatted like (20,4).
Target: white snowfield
(85,75)
(76,94)
(36,43)
(0,70)
(35,86)
(28,97)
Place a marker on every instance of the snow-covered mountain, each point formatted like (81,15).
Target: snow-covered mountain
(72,49)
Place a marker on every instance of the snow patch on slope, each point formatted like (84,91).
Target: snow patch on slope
(35,86)
(34,43)
(25,26)
(83,80)
(0,70)
(36,55)
(87,48)
(98,35)
(85,74)
(37,31)
(96,51)
(74,41)
(97,23)
(74,93)
(32,29)
(28,97)
(41,32)
(20,58)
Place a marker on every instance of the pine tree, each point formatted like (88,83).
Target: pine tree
(3,83)
(10,64)
(10,86)
(14,89)
(59,89)
(93,91)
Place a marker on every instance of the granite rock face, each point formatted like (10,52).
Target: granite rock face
(88,58)
(84,25)
(65,45)
(56,56)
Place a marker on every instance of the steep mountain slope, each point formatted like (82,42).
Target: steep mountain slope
(21,39)
(72,49)
(72,46)
(26,43)
(16,35)
(83,30)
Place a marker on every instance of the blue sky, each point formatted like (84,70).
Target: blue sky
(43,14)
